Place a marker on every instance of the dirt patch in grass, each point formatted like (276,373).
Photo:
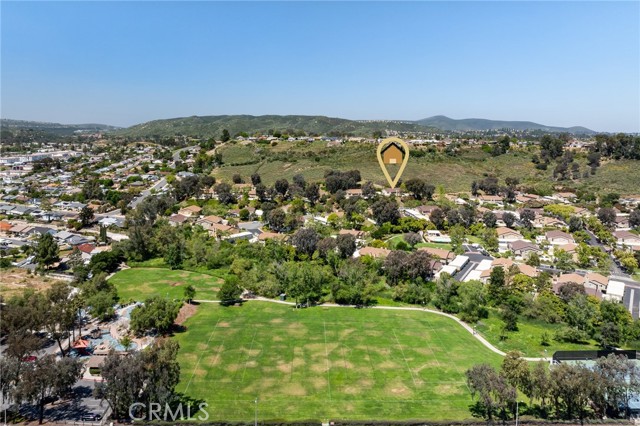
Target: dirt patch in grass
(294,389)
(187,310)
(224,324)
(448,389)
(15,281)
(277,321)
(176,284)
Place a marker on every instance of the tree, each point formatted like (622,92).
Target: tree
(490,239)
(419,188)
(496,289)
(457,234)
(563,260)
(223,191)
(446,294)
(225,135)
(325,246)
(346,244)
(276,219)
(472,301)
(45,378)
(607,216)
(412,238)
(509,219)
(305,240)
(516,370)
(495,395)
(533,259)
(437,218)
(237,178)
(368,190)
(527,217)
(575,224)
(282,186)
(634,219)
(385,210)
(157,314)
(312,193)
(395,265)
(230,291)
(149,376)
(571,390)
(174,255)
(189,293)
(255,179)
(46,251)
(489,219)
(86,215)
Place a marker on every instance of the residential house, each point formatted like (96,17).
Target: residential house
(506,235)
(271,236)
(558,238)
(444,255)
(190,211)
(177,219)
(523,248)
(217,230)
(565,197)
(398,192)
(355,192)
(373,252)
(626,238)
(596,281)
(490,199)
(548,222)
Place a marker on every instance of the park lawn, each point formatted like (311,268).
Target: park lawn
(443,246)
(327,363)
(141,283)
(527,338)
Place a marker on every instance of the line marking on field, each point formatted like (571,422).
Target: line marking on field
(253,339)
(326,352)
(201,355)
(373,370)
(415,384)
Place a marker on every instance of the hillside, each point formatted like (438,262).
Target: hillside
(54,128)
(212,126)
(454,173)
(469,124)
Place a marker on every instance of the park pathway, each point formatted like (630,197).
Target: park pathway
(466,326)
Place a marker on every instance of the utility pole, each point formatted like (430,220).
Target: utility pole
(255,422)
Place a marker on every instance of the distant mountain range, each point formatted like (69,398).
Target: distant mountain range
(212,126)
(470,124)
(55,128)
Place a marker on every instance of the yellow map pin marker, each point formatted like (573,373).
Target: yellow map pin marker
(393,151)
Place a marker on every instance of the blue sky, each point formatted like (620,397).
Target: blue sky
(556,63)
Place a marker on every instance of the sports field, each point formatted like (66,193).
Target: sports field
(140,283)
(327,363)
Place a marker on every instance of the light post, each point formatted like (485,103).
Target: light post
(517,403)
(255,422)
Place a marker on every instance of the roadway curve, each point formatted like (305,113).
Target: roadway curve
(402,308)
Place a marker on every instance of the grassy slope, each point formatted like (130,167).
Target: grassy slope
(327,363)
(141,283)
(527,338)
(454,173)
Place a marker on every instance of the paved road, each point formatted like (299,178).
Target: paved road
(144,194)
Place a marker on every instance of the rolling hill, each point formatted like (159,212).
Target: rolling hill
(212,126)
(470,124)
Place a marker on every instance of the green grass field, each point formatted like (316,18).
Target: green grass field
(142,282)
(327,363)
(528,337)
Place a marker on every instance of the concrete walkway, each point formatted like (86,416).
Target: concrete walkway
(401,308)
